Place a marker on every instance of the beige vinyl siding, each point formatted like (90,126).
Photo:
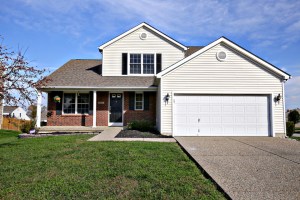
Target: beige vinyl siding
(206,75)
(112,54)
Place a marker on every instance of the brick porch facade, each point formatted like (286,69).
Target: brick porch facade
(58,119)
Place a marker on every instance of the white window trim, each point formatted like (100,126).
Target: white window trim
(142,64)
(76,103)
(139,101)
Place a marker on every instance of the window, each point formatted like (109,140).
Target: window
(139,101)
(69,103)
(135,63)
(148,63)
(83,103)
(142,63)
(76,103)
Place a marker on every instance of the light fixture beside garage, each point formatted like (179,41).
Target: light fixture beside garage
(221,56)
(277,98)
(166,98)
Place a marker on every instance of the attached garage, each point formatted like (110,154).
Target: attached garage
(221,115)
(222,90)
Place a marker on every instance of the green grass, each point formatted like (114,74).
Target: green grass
(69,167)
(296,138)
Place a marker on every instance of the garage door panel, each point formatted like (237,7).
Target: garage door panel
(228,108)
(180,108)
(239,108)
(204,108)
(215,108)
(221,115)
(215,119)
(193,119)
(180,119)
(239,129)
(250,109)
(192,108)
(239,119)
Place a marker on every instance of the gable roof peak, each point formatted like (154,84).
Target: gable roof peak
(233,45)
(143,24)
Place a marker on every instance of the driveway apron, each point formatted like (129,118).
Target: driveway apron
(249,167)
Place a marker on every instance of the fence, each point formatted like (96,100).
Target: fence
(12,123)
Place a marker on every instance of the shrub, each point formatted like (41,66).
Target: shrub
(27,126)
(140,125)
(290,128)
(294,116)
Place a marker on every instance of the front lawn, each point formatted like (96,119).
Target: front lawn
(296,138)
(69,167)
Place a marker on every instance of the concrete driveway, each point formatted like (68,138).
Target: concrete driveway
(249,167)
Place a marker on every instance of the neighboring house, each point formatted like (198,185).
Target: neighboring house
(217,90)
(15,112)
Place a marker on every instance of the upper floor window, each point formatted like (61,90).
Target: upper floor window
(148,63)
(135,63)
(142,64)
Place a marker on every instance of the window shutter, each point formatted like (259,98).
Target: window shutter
(124,63)
(91,103)
(158,63)
(59,105)
(131,100)
(146,100)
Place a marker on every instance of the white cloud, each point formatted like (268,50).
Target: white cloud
(292,93)
(258,20)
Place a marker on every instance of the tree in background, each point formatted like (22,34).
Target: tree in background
(18,78)
(294,116)
(31,111)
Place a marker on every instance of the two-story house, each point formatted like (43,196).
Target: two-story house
(219,89)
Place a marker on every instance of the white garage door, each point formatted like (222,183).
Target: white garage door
(221,115)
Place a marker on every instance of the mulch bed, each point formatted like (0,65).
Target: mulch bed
(139,134)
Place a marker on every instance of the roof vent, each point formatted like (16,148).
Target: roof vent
(221,55)
(143,36)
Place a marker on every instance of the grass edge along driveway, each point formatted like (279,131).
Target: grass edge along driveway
(69,167)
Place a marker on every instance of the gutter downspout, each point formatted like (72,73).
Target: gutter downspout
(283,102)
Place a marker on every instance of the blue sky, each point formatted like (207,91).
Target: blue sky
(58,30)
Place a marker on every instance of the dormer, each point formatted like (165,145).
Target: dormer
(141,51)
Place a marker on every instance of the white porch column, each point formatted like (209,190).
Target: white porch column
(38,109)
(94,108)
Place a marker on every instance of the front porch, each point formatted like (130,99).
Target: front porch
(86,110)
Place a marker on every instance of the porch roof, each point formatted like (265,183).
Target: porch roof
(86,73)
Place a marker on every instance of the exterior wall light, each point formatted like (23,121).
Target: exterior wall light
(166,98)
(277,98)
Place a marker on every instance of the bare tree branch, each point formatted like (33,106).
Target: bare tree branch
(17,78)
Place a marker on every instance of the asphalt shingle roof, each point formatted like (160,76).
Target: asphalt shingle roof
(87,73)
(9,109)
(192,49)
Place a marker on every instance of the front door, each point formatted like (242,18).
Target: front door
(116,109)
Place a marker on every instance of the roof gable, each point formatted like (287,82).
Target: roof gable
(232,45)
(9,109)
(136,28)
